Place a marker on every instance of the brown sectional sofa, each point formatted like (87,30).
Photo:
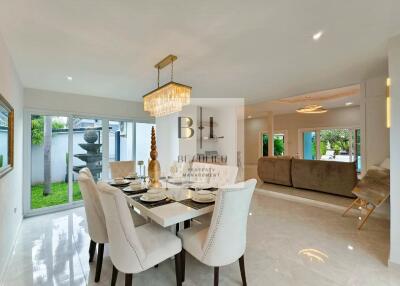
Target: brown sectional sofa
(332,177)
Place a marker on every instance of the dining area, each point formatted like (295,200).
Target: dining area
(198,211)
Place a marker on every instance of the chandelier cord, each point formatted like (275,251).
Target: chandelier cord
(158,77)
(172,70)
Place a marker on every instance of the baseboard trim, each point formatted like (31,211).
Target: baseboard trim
(9,254)
(394,265)
(333,207)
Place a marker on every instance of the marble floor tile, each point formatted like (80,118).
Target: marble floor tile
(288,243)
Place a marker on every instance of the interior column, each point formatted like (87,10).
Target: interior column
(270,134)
(394,74)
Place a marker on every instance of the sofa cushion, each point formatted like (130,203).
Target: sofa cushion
(275,170)
(326,176)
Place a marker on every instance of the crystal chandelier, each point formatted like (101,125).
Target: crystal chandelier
(170,97)
(312,109)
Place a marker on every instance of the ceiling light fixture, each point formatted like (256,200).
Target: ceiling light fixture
(312,109)
(69,78)
(249,117)
(170,97)
(317,35)
(349,103)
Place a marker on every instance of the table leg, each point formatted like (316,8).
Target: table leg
(186,224)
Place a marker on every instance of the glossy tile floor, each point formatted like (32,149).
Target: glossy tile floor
(289,243)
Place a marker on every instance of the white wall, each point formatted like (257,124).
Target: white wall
(188,146)
(376,134)
(167,140)
(85,105)
(11,183)
(394,74)
(226,117)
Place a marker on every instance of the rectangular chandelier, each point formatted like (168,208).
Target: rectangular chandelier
(170,97)
(167,99)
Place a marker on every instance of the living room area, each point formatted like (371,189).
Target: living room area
(324,144)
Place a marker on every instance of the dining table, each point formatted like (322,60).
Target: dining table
(177,208)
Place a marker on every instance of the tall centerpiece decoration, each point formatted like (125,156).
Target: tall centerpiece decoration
(154,169)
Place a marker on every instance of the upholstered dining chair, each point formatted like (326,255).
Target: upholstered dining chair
(122,169)
(135,249)
(224,241)
(223,175)
(95,218)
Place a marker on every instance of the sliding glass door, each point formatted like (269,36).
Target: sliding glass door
(61,145)
(335,145)
(332,144)
(309,145)
(87,142)
(49,161)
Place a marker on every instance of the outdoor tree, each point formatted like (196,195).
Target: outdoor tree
(279,146)
(47,155)
(37,128)
(335,139)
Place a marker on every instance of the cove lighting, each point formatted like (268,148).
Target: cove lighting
(388,104)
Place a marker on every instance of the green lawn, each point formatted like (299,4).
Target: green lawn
(58,196)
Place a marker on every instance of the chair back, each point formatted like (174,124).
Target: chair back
(226,238)
(121,169)
(223,175)
(126,251)
(94,211)
(200,172)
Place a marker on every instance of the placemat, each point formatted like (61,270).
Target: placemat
(195,205)
(153,204)
(209,189)
(137,192)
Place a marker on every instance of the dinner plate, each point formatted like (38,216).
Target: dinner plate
(131,177)
(147,199)
(205,200)
(175,180)
(123,182)
(201,186)
(129,189)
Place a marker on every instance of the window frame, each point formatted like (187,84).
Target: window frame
(317,130)
(276,132)
(27,155)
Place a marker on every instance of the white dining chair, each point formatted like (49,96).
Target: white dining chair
(135,249)
(223,175)
(122,169)
(224,241)
(95,218)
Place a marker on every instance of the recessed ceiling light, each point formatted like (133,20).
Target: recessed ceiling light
(350,247)
(317,35)
(249,117)
(69,78)
(349,103)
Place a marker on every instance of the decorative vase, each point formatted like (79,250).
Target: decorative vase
(154,169)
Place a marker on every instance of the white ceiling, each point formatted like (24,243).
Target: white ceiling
(260,49)
(329,99)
